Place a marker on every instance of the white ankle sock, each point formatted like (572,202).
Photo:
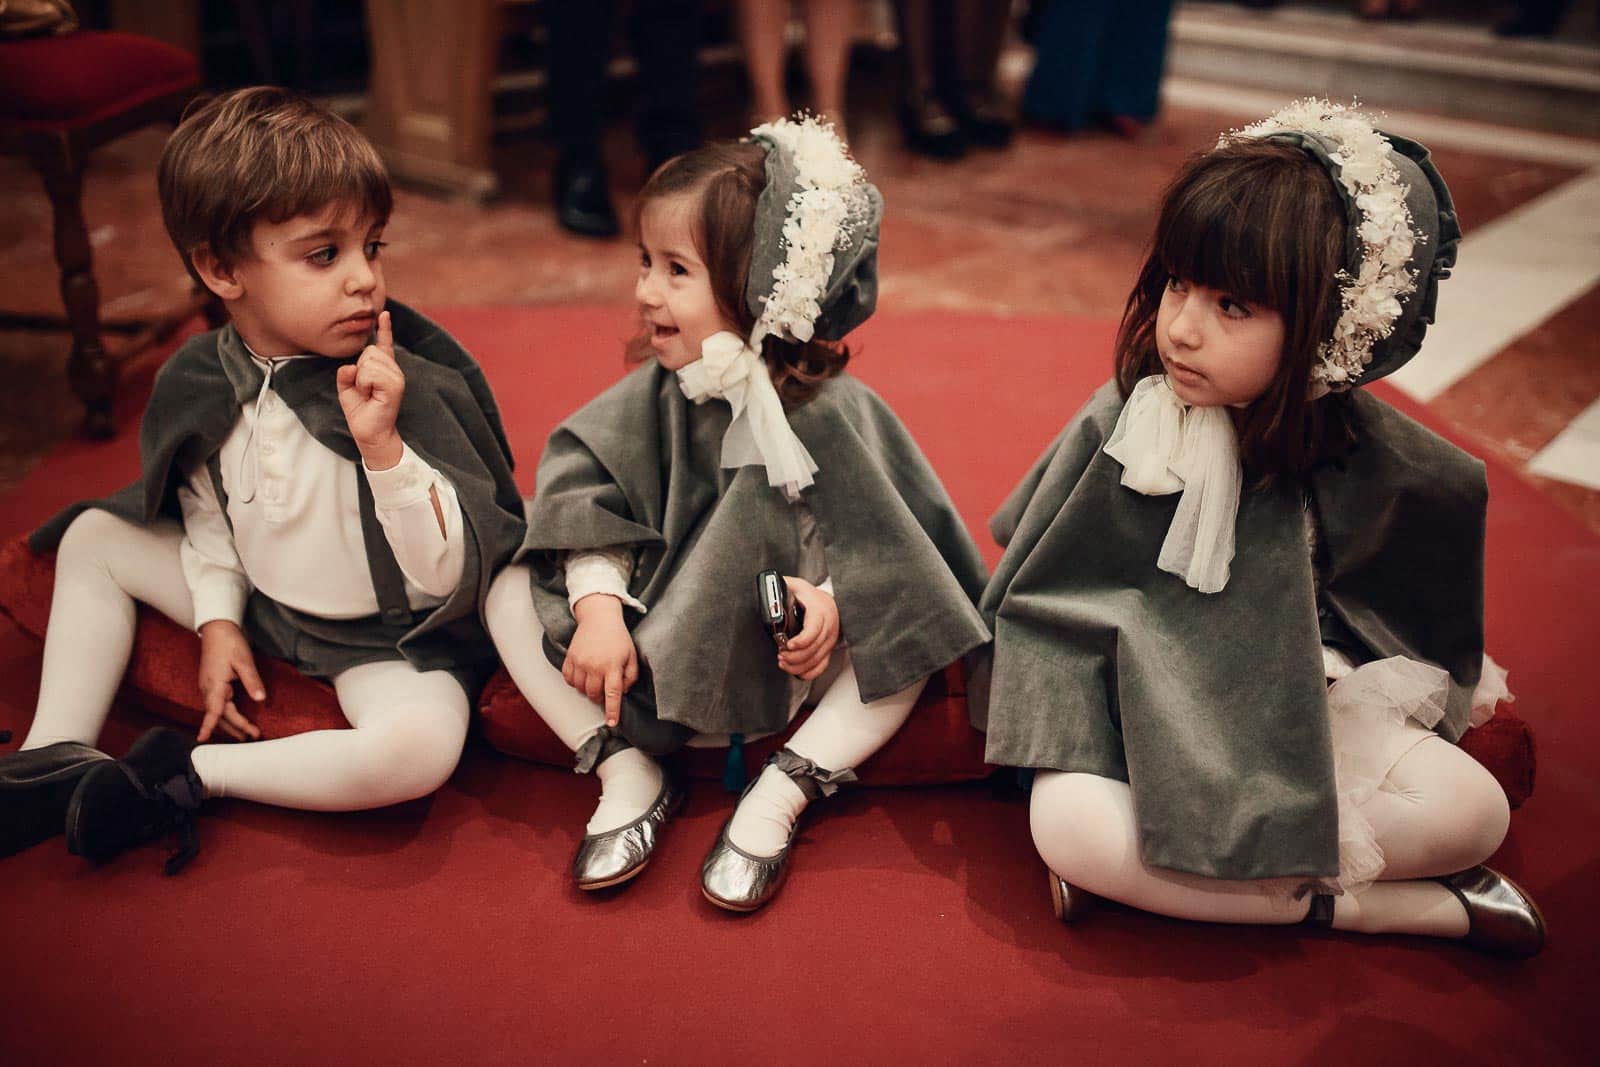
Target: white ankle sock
(766,816)
(630,781)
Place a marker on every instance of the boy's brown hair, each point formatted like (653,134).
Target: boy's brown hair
(725,180)
(1262,222)
(261,153)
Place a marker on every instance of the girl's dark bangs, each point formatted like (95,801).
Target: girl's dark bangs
(1219,243)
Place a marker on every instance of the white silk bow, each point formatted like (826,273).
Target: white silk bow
(759,433)
(1164,446)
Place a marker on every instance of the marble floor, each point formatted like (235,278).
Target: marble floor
(1051,225)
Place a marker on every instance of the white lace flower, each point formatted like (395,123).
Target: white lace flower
(1371,298)
(819,220)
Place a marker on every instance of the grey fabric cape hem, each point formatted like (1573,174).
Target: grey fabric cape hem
(1214,707)
(639,467)
(448,417)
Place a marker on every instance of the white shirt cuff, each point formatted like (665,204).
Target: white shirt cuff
(403,484)
(220,594)
(599,572)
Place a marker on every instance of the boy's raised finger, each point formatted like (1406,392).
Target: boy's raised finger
(385,339)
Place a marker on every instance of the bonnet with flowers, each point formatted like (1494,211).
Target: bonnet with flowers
(813,275)
(1400,242)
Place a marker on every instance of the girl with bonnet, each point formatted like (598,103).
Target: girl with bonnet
(1239,620)
(631,622)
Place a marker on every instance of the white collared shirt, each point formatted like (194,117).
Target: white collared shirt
(296,522)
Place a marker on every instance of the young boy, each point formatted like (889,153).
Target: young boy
(324,481)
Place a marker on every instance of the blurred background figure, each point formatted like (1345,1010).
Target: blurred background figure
(664,37)
(830,26)
(1389,9)
(1099,63)
(951,49)
(1532,18)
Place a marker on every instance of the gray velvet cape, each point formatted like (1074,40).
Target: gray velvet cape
(448,417)
(639,466)
(1213,707)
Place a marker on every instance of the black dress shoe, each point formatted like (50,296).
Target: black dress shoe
(36,787)
(983,122)
(931,130)
(1502,918)
(1069,902)
(583,203)
(152,790)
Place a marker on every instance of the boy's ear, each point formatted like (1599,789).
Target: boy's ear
(216,273)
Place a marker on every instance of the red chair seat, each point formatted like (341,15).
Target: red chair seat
(79,79)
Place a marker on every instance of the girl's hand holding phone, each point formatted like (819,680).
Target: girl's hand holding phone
(808,651)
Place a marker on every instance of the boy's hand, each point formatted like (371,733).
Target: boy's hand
(370,390)
(809,650)
(224,656)
(601,662)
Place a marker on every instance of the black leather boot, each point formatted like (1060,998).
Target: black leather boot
(35,789)
(152,790)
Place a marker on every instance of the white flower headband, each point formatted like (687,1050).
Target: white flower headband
(1371,298)
(820,218)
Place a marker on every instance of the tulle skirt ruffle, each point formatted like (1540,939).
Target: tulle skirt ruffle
(1378,712)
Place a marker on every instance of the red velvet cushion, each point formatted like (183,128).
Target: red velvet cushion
(81,78)
(162,677)
(936,744)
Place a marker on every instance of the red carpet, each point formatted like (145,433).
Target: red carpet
(916,925)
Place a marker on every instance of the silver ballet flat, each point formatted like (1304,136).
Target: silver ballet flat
(736,880)
(618,855)
(732,878)
(1502,918)
(1068,901)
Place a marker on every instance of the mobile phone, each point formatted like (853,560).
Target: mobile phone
(781,613)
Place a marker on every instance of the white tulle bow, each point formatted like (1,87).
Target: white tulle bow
(1164,446)
(759,433)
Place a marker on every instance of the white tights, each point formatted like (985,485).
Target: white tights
(410,726)
(1438,812)
(840,733)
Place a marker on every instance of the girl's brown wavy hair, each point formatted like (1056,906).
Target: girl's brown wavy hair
(724,180)
(1263,222)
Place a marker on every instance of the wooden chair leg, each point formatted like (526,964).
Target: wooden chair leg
(91,374)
